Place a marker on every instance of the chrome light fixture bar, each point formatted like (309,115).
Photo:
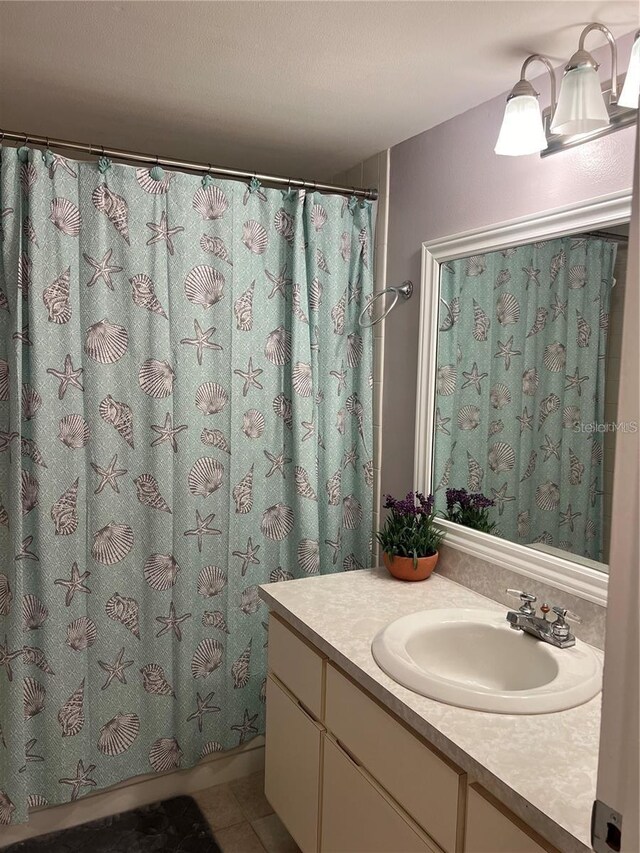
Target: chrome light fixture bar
(584,110)
(619,117)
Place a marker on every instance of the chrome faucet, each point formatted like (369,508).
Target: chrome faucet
(524,619)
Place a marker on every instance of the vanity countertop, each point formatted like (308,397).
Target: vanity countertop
(543,767)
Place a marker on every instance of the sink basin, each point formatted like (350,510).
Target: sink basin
(473,659)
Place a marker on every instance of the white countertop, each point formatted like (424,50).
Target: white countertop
(543,767)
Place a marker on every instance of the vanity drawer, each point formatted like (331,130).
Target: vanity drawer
(492,828)
(297,664)
(357,815)
(427,786)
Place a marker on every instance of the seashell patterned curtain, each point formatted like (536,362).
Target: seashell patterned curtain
(520,387)
(185,413)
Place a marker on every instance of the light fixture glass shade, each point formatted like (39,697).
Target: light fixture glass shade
(631,88)
(581,107)
(521,131)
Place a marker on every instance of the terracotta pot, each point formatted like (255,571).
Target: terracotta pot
(402,567)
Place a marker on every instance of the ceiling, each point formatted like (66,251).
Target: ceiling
(305,89)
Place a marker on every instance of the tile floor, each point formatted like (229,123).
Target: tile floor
(241,818)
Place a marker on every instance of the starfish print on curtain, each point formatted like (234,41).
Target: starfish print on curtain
(182,374)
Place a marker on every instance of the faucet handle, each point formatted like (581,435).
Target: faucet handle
(559,628)
(526,601)
(562,613)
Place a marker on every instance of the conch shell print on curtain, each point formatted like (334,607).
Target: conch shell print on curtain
(185,413)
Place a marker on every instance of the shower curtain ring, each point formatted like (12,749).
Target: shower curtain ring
(90,149)
(102,150)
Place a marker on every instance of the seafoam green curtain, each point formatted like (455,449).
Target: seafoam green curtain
(520,387)
(185,413)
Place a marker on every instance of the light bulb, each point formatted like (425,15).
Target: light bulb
(581,107)
(521,131)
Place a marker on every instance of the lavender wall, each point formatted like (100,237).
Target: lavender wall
(447,180)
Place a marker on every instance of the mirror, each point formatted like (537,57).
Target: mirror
(527,358)
(548,554)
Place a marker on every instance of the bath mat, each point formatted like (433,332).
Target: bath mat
(172,826)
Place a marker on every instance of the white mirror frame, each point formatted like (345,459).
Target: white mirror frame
(609,210)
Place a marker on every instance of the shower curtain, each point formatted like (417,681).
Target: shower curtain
(185,401)
(520,387)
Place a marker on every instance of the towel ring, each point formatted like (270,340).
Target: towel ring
(405,290)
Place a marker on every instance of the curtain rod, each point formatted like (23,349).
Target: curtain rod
(606,235)
(205,168)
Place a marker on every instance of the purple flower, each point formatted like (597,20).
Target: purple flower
(467,500)
(470,509)
(408,506)
(479,501)
(455,496)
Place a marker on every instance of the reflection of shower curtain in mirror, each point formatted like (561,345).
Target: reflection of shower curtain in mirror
(520,387)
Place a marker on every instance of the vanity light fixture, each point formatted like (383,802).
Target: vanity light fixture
(631,89)
(581,106)
(585,109)
(522,131)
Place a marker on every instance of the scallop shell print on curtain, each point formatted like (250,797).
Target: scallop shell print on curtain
(520,386)
(185,413)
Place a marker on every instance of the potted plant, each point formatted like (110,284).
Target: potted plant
(409,538)
(470,509)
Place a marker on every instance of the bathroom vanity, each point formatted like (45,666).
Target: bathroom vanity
(356,762)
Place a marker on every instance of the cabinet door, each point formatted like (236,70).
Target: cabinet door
(429,788)
(292,765)
(492,828)
(357,817)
